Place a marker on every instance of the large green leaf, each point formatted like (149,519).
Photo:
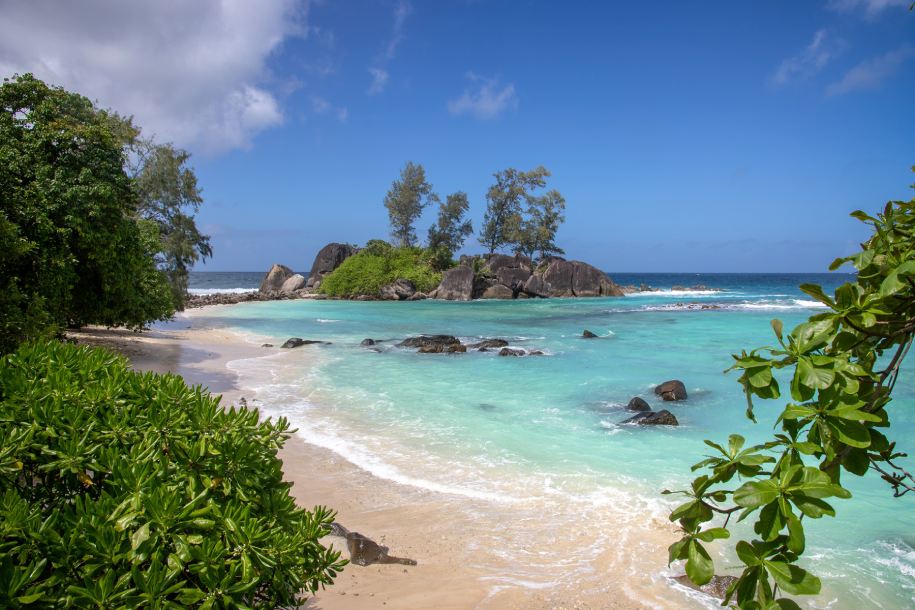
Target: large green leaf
(814,376)
(793,579)
(699,565)
(756,493)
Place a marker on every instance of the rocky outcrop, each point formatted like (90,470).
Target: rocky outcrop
(508,270)
(439,348)
(561,278)
(511,351)
(293,283)
(652,418)
(364,551)
(587,334)
(297,342)
(499,276)
(638,404)
(498,291)
(456,285)
(398,290)
(671,390)
(275,278)
(329,258)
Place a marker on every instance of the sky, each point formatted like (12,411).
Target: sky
(685,137)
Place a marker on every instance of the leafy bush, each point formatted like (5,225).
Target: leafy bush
(128,490)
(379,264)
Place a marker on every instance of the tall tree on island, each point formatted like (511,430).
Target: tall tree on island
(169,196)
(537,231)
(451,228)
(502,221)
(405,202)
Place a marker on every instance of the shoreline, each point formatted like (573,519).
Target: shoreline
(441,532)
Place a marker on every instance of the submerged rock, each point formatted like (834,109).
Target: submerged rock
(671,390)
(638,404)
(367,342)
(428,340)
(488,343)
(587,334)
(296,342)
(442,348)
(652,418)
(717,587)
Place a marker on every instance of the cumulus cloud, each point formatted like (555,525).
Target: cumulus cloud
(808,62)
(379,72)
(487,99)
(194,73)
(871,73)
(871,8)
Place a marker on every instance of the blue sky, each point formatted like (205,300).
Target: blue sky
(713,136)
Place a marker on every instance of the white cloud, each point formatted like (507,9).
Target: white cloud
(871,73)
(193,73)
(379,80)
(871,8)
(485,101)
(808,62)
(379,72)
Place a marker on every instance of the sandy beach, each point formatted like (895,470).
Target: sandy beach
(438,531)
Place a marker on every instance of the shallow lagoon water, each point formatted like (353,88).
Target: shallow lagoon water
(524,432)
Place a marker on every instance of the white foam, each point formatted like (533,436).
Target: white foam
(209,291)
(326,321)
(677,293)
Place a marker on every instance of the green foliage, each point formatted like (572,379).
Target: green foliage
(128,490)
(528,230)
(378,264)
(405,202)
(168,196)
(447,235)
(73,252)
(537,232)
(843,365)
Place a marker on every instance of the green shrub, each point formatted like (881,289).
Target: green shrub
(128,490)
(378,264)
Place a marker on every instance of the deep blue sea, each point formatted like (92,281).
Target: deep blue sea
(537,442)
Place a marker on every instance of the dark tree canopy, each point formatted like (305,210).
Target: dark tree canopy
(405,202)
(502,221)
(74,252)
(451,227)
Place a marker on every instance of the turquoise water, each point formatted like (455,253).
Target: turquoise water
(536,435)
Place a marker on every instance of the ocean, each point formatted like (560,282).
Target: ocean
(538,441)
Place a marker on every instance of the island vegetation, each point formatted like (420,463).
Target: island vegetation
(518,218)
